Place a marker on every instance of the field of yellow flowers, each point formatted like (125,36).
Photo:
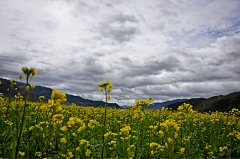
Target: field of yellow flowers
(52,130)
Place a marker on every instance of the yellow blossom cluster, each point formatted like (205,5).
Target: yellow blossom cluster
(222,148)
(93,123)
(63,140)
(169,125)
(107,85)
(113,143)
(84,142)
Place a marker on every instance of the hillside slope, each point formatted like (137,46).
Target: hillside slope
(217,103)
(163,104)
(46,92)
(192,101)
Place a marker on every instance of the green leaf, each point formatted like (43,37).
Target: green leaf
(216,144)
(120,147)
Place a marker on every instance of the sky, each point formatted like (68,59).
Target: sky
(164,49)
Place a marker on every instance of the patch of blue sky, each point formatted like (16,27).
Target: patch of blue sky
(216,34)
(194,39)
(235,29)
(188,39)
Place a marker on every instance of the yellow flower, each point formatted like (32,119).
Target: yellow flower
(177,129)
(108,97)
(70,155)
(13,82)
(154,144)
(41,97)
(64,128)
(34,73)
(207,146)
(210,153)
(152,152)
(88,152)
(74,134)
(175,135)
(101,89)
(64,140)
(24,69)
(166,145)
(113,142)
(38,154)
(32,86)
(20,76)
(182,150)
(77,148)
(27,88)
(83,141)
(161,133)
(22,153)
(222,148)
(44,108)
(109,89)
(169,140)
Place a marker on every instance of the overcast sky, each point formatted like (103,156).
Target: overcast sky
(164,49)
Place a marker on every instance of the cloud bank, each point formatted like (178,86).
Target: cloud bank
(164,49)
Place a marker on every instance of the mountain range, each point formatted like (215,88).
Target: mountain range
(215,103)
(163,104)
(46,92)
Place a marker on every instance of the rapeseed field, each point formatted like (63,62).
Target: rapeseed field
(52,130)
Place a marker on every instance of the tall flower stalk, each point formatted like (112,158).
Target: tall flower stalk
(106,87)
(10,96)
(29,73)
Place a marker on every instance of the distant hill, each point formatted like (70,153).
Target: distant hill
(163,104)
(217,103)
(124,106)
(5,84)
(46,92)
(192,101)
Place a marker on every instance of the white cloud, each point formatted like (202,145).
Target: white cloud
(166,50)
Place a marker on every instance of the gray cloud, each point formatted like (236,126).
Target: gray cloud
(180,49)
(119,27)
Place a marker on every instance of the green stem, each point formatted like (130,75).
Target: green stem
(49,134)
(104,124)
(75,146)
(23,116)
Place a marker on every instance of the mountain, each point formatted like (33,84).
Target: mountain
(217,103)
(124,106)
(192,101)
(46,92)
(5,85)
(163,104)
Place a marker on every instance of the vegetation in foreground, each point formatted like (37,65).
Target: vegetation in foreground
(52,130)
